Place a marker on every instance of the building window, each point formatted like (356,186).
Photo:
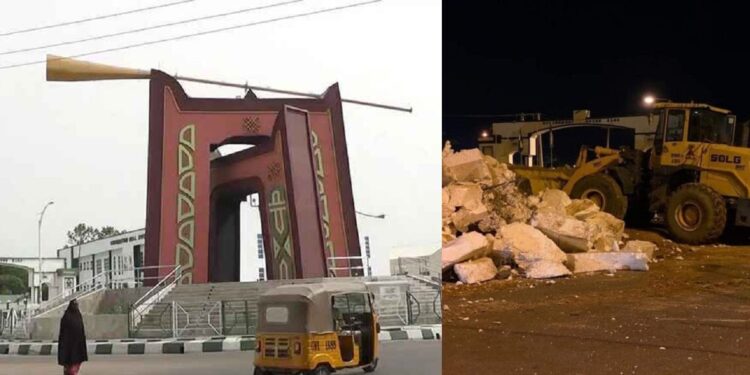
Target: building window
(261,273)
(260,246)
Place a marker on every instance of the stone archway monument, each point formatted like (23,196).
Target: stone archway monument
(298,165)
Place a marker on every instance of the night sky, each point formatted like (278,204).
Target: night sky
(556,56)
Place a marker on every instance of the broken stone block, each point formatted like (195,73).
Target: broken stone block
(545,269)
(468,246)
(475,271)
(606,222)
(491,223)
(447,207)
(554,201)
(608,231)
(569,234)
(527,247)
(503,272)
(466,166)
(499,171)
(509,203)
(447,151)
(465,217)
(449,233)
(639,246)
(581,209)
(467,195)
(607,261)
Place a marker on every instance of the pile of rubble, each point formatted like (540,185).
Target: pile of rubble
(493,230)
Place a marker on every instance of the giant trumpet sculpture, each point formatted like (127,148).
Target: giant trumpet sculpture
(68,69)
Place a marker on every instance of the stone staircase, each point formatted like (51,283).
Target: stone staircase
(203,310)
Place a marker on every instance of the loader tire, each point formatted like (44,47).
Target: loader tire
(604,191)
(696,214)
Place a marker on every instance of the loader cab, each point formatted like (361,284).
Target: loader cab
(682,123)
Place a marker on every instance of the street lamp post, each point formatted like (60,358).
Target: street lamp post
(39,242)
(381,216)
(367,241)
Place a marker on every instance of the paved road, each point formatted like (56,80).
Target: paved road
(688,315)
(407,357)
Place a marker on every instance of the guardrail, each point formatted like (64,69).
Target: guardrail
(333,267)
(13,324)
(410,299)
(239,317)
(173,319)
(143,305)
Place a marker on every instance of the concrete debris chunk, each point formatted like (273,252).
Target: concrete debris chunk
(500,172)
(448,209)
(465,217)
(449,233)
(509,203)
(569,234)
(581,209)
(638,246)
(608,231)
(503,272)
(468,246)
(607,261)
(530,249)
(466,166)
(491,223)
(475,271)
(464,195)
(545,269)
(554,201)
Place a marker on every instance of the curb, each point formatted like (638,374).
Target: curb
(191,345)
(132,346)
(434,332)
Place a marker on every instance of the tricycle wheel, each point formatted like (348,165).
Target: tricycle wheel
(322,370)
(372,366)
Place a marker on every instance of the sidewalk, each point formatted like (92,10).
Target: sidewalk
(192,345)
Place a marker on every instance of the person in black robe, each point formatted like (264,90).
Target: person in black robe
(71,344)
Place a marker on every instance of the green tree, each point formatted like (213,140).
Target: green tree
(82,233)
(107,231)
(10,284)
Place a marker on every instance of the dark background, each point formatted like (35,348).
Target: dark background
(552,57)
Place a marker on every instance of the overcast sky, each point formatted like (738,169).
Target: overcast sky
(83,145)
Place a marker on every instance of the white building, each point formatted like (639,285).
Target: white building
(54,279)
(529,142)
(425,265)
(121,254)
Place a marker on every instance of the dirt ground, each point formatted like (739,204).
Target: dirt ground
(690,314)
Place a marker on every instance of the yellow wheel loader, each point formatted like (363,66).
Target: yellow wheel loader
(694,179)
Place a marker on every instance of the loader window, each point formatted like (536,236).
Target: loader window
(659,138)
(675,126)
(708,126)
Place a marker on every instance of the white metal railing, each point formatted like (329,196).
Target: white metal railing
(333,267)
(13,323)
(425,279)
(103,280)
(143,305)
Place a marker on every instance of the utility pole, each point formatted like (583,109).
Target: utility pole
(367,254)
(39,242)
